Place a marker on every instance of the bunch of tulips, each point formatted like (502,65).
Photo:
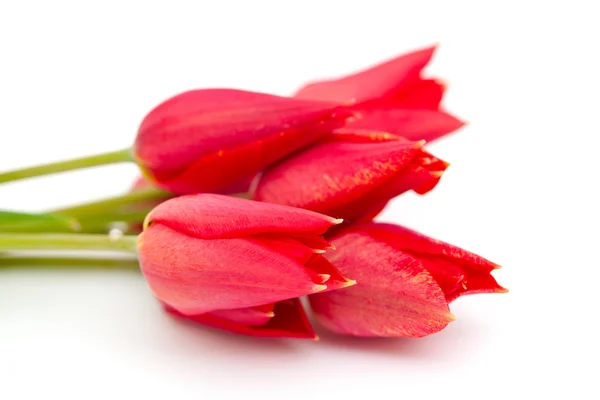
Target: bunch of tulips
(248,202)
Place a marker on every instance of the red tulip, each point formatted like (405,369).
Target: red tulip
(209,140)
(207,256)
(351,175)
(405,282)
(391,97)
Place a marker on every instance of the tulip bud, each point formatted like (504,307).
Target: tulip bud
(351,175)
(206,253)
(391,97)
(143,183)
(405,282)
(210,140)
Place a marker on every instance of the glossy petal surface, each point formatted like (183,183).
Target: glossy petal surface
(208,140)
(349,178)
(212,216)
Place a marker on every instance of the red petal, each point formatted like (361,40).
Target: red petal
(412,124)
(395,296)
(362,136)
(210,216)
(421,94)
(207,140)
(253,316)
(321,271)
(241,186)
(422,175)
(196,276)
(382,80)
(335,279)
(350,179)
(457,280)
(332,174)
(456,270)
(289,321)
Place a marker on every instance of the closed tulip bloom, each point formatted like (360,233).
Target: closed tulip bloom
(391,96)
(351,175)
(405,282)
(210,253)
(210,140)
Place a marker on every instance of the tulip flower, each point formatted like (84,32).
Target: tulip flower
(209,140)
(229,262)
(405,282)
(213,140)
(392,97)
(350,175)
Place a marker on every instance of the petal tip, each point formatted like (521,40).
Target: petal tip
(348,283)
(318,288)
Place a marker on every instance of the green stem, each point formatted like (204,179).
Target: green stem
(101,223)
(15,242)
(106,206)
(69,262)
(124,155)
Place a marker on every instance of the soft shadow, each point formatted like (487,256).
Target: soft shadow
(192,336)
(443,344)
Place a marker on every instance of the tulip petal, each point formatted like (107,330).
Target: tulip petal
(288,321)
(381,80)
(211,216)
(457,280)
(363,136)
(331,174)
(395,295)
(335,279)
(258,315)
(421,94)
(413,124)
(348,179)
(196,276)
(421,176)
(458,271)
(207,140)
(322,272)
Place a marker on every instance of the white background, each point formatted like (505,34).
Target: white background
(76,78)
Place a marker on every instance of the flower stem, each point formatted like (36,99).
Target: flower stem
(106,206)
(102,223)
(124,155)
(15,242)
(69,262)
